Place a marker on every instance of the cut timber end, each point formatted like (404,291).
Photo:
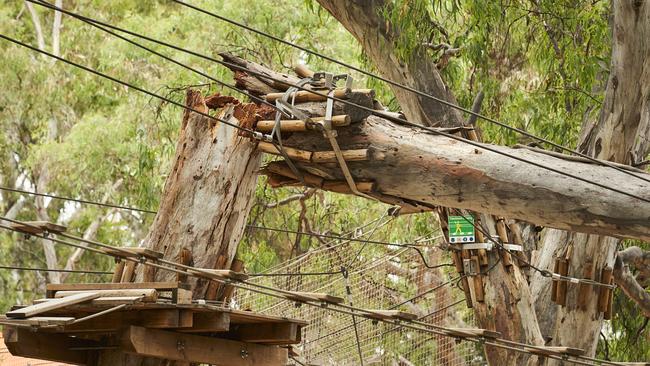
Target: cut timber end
(38,227)
(314,296)
(390,314)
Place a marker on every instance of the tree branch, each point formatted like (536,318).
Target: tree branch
(624,278)
(56,29)
(40,40)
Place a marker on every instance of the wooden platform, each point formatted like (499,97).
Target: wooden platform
(77,321)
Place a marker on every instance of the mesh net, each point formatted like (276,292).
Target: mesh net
(390,278)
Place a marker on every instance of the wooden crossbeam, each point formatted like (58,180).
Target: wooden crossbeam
(473,332)
(104,301)
(162,286)
(220,273)
(269,333)
(390,314)
(314,296)
(52,305)
(39,321)
(208,322)
(38,227)
(554,351)
(199,349)
(144,294)
(135,252)
(112,322)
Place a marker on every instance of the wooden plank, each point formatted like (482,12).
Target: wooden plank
(162,286)
(104,301)
(603,296)
(146,294)
(473,332)
(117,273)
(40,320)
(208,322)
(247,317)
(52,347)
(479,294)
(135,252)
(112,322)
(561,289)
(220,274)
(52,305)
(270,333)
(390,314)
(129,272)
(194,348)
(569,351)
(314,296)
(38,227)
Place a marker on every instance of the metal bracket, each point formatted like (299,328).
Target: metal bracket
(486,246)
(469,267)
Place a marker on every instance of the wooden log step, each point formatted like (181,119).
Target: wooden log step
(38,227)
(41,308)
(314,296)
(390,314)
(605,293)
(145,294)
(555,351)
(306,96)
(135,252)
(39,321)
(473,332)
(348,155)
(299,125)
(294,154)
(281,168)
(220,274)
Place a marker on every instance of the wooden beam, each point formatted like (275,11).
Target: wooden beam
(569,351)
(199,349)
(162,286)
(135,253)
(473,332)
(40,321)
(306,96)
(208,322)
(38,227)
(104,301)
(53,347)
(112,322)
(52,305)
(390,314)
(269,333)
(145,294)
(314,296)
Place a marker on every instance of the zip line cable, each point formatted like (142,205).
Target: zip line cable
(408,88)
(19,268)
(372,111)
(284,294)
(413,246)
(124,83)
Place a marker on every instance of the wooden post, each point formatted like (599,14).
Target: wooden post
(117,273)
(563,269)
(603,298)
(186,259)
(237,266)
(584,290)
(129,271)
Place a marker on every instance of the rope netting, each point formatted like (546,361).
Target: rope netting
(389,278)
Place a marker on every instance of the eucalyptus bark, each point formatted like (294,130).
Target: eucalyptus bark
(205,204)
(621,134)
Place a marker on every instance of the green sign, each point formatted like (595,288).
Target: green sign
(461,229)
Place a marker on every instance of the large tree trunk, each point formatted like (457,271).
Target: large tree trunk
(621,134)
(206,201)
